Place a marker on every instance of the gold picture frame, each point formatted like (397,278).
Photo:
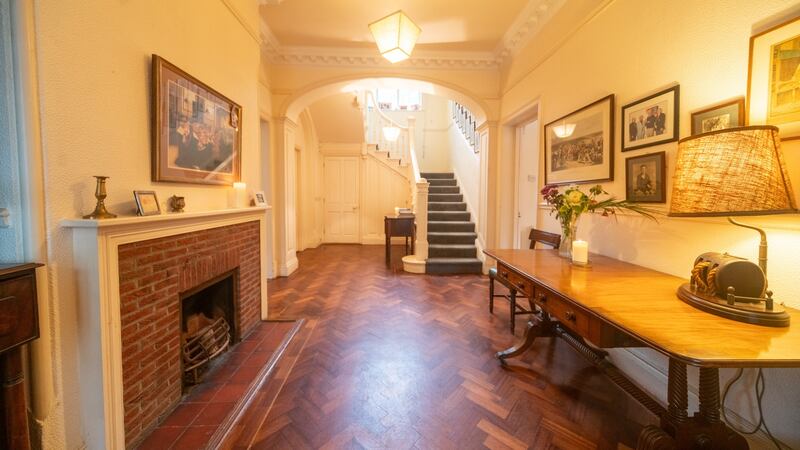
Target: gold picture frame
(773,81)
(197,133)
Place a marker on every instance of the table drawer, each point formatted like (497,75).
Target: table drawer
(564,311)
(520,283)
(19,321)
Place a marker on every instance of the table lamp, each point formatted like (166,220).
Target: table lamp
(732,172)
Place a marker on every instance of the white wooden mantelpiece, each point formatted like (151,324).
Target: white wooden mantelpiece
(95,245)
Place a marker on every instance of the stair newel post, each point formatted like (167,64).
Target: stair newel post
(421,219)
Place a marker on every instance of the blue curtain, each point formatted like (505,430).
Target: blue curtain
(11,228)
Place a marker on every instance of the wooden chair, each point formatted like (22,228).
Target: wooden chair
(536,236)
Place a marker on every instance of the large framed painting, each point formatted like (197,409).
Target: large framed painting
(645,178)
(773,89)
(719,117)
(652,120)
(196,133)
(579,147)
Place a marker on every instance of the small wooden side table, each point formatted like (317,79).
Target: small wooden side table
(19,324)
(398,226)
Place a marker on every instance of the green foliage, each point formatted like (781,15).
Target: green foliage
(573,202)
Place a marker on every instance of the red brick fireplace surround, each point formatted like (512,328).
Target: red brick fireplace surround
(152,275)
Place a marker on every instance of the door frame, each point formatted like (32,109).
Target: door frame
(518,122)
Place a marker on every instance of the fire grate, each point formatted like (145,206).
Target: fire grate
(201,347)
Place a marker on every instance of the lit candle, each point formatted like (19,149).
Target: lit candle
(240,195)
(580,252)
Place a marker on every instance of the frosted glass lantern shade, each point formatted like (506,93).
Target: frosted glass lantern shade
(396,35)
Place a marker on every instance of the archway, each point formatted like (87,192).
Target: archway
(285,201)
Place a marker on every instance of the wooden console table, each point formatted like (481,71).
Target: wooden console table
(19,323)
(398,226)
(616,304)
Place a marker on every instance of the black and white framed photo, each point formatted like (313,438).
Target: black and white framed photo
(652,120)
(259,199)
(579,147)
(719,117)
(645,178)
(146,203)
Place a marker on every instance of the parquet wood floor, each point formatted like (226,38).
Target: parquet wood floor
(398,361)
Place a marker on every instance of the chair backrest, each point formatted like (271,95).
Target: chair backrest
(543,237)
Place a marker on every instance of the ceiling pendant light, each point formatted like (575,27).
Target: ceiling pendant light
(395,35)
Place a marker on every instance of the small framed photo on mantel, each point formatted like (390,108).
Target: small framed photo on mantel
(579,147)
(645,178)
(719,117)
(652,120)
(146,203)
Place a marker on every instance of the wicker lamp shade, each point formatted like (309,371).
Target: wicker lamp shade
(738,171)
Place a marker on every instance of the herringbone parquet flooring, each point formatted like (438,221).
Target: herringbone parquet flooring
(394,360)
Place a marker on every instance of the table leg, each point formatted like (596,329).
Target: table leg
(537,327)
(703,430)
(16,414)
(388,249)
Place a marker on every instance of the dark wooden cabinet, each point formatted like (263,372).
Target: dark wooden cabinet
(19,324)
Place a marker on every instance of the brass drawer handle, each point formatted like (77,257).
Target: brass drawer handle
(571,316)
(7,298)
(521,285)
(504,274)
(543,298)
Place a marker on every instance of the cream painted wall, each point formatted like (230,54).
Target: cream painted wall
(94,79)
(430,133)
(309,184)
(337,120)
(704,47)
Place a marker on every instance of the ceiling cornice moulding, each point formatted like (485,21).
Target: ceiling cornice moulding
(527,24)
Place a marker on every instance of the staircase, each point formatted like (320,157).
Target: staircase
(451,233)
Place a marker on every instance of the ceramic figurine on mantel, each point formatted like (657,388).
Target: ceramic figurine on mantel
(177,203)
(569,205)
(100,211)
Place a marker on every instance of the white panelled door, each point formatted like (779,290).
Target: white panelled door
(527,188)
(341,199)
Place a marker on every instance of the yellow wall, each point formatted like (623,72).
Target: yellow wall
(632,48)
(94,79)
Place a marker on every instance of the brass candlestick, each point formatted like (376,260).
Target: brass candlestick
(100,211)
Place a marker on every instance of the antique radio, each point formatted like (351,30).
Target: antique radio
(732,287)
(720,274)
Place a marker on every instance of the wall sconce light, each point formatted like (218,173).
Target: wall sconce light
(396,35)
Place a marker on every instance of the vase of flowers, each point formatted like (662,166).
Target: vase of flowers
(570,204)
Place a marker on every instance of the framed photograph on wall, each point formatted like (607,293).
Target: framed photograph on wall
(579,147)
(773,88)
(197,137)
(645,178)
(652,120)
(146,203)
(719,117)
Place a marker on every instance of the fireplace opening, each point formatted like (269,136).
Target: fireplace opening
(208,325)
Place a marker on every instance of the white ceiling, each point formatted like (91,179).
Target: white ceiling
(488,29)
(447,25)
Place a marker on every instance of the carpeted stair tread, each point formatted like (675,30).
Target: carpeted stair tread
(439,182)
(443,266)
(444,216)
(447,206)
(443,190)
(437,175)
(452,238)
(445,197)
(450,226)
